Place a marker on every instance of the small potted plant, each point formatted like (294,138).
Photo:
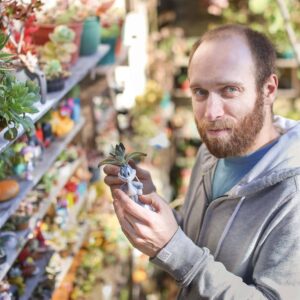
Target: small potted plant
(91,34)
(54,75)
(59,13)
(60,46)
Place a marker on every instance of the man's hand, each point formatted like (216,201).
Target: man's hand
(149,231)
(114,182)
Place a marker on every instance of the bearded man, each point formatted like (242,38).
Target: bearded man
(237,236)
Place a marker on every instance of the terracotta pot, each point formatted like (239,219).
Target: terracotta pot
(41,36)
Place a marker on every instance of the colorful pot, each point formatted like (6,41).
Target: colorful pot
(90,37)
(110,57)
(41,36)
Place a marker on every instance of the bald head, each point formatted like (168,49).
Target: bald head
(261,49)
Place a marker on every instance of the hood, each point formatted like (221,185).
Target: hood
(279,163)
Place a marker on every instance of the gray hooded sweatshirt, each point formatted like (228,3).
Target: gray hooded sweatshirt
(245,244)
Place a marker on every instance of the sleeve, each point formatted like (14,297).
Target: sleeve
(276,264)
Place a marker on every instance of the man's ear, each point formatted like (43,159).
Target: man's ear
(270,89)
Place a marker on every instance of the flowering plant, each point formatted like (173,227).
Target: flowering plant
(17,21)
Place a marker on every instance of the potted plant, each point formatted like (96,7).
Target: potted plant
(91,34)
(60,47)
(54,75)
(16,98)
(60,13)
(17,22)
(9,188)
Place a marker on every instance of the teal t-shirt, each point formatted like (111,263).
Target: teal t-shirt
(231,170)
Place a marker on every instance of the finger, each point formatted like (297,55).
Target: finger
(131,207)
(126,225)
(111,170)
(152,200)
(112,180)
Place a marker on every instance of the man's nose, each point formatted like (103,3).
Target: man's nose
(214,107)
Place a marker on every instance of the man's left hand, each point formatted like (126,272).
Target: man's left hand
(149,231)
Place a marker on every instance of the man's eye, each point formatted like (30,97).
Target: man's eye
(199,92)
(231,89)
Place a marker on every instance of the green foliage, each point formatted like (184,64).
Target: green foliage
(119,158)
(53,69)
(60,47)
(5,58)
(112,31)
(6,163)
(16,98)
(62,34)
(265,16)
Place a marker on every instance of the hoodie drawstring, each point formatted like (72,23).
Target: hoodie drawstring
(228,225)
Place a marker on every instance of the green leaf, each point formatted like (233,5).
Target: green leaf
(109,161)
(134,155)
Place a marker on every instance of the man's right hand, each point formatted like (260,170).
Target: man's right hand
(114,182)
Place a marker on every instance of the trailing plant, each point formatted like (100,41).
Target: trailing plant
(16,98)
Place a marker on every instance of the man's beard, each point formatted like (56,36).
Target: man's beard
(241,136)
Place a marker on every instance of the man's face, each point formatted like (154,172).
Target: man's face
(229,113)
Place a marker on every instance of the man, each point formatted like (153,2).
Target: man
(239,234)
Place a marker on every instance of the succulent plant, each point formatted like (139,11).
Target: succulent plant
(60,46)
(53,69)
(118,157)
(16,98)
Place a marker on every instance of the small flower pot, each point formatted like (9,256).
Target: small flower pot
(55,85)
(41,36)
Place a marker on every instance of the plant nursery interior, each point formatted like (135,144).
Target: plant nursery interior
(82,81)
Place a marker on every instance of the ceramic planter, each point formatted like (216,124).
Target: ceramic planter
(90,37)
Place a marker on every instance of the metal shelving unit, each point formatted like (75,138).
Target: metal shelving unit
(34,281)
(84,66)
(24,236)
(78,71)
(9,207)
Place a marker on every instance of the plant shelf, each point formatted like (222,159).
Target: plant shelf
(67,262)
(50,155)
(33,282)
(78,71)
(25,235)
